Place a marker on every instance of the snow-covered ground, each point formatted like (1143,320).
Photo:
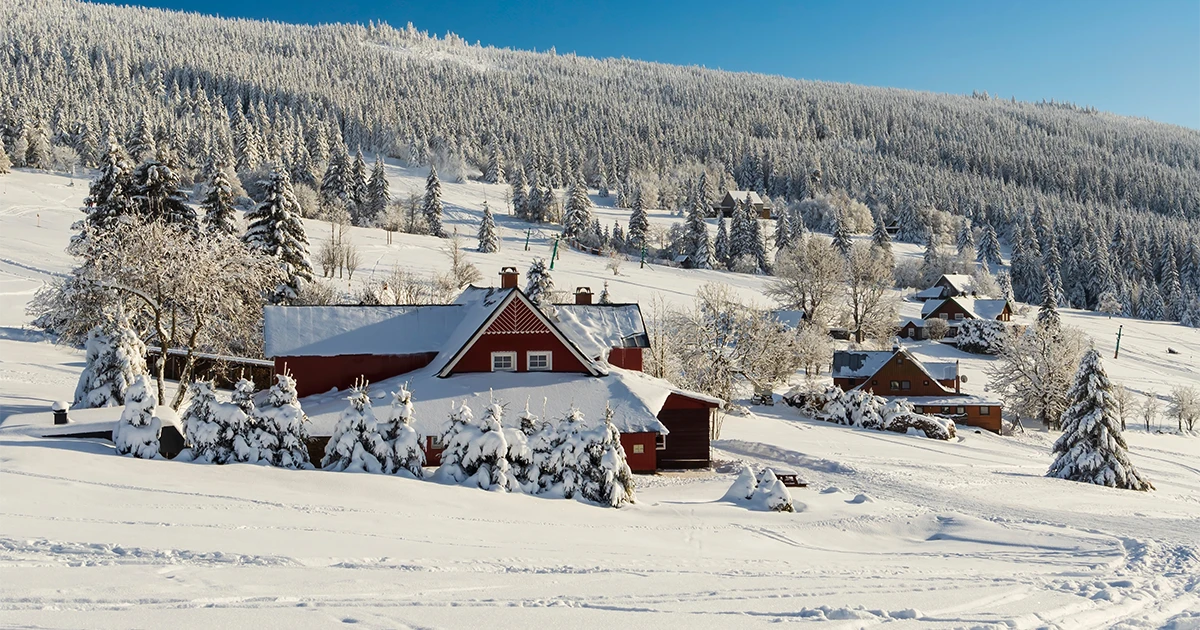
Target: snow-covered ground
(966,533)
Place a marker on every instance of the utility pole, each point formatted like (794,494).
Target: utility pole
(642,264)
(528,232)
(554,253)
(1118,352)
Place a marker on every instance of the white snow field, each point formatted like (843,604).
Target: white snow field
(892,529)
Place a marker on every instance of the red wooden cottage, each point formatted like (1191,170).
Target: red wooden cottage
(956,309)
(494,344)
(934,388)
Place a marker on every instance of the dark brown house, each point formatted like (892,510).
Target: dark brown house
(732,198)
(934,388)
(957,309)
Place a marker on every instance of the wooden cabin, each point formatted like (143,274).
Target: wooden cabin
(732,198)
(957,309)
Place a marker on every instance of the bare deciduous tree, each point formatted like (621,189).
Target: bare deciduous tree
(808,276)
(868,293)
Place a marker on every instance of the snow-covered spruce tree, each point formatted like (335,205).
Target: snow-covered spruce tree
(215,432)
(783,231)
(561,461)
(275,230)
(378,196)
(639,223)
(607,478)
(485,461)
(743,487)
(356,445)
(243,396)
(220,217)
(699,245)
(110,195)
(539,287)
(577,218)
(989,247)
(406,457)
(841,235)
(520,450)
(136,433)
(520,195)
(617,240)
(358,187)
(1150,304)
(1048,312)
(964,243)
(432,206)
(116,358)
(460,432)
(280,431)
(494,173)
(771,494)
(604,298)
(335,185)
(721,243)
(1091,448)
(5,163)
(159,198)
(489,242)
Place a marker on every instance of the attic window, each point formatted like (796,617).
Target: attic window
(958,316)
(538,361)
(905,385)
(895,385)
(899,360)
(504,361)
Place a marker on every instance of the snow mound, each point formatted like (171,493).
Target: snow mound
(861,498)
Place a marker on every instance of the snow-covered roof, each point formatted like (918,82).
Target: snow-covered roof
(961,282)
(984,308)
(595,328)
(941,370)
(932,293)
(635,398)
(930,306)
(740,196)
(328,331)
(790,318)
(950,400)
(915,321)
(859,363)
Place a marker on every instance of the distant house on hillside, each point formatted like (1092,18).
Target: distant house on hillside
(957,309)
(725,207)
(934,388)
(495,342)
(948,286)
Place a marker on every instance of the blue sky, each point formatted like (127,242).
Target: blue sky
(1133,58)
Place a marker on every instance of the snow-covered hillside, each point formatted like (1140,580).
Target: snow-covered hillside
(892,528)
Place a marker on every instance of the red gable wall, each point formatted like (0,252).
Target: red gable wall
(898,368)
(519,330)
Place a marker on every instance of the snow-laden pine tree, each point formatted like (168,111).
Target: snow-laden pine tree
(520,195)
(617,240)
(639,223)
(699,245)
(358,188)
(577,217)
(215,432)
(989,247)
(560,456)
(243,396)
(1026,265)
(880,239)
(457,437)
(136,434)
(1091,448)
(405,455)
(964,243)
(604,298)
(1150,304)
(607,478)
(159,198)
(521,440)
(335,185)
(485,460)
(5,163)
(539,286)
(356,445)
(280,431)
(110,196)
(783,231)
(220,217)
(115,359)
(841,235)
(432,206)
(378,196)
(494,173)
(721,243)
(1048,312)
(276,230)
(489,242)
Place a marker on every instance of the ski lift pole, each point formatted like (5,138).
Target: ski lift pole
(554,253)
(642,264)
(1119,329)
(528,232)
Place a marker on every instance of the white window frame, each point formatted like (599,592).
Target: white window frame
(512,360)
(529,356)
(660,442)
(639,449)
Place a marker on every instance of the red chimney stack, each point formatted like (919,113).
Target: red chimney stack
(583,295)
(508,277)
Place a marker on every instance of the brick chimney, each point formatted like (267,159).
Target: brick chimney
(583,295)
(508,277)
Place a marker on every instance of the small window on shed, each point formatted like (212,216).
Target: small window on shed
(984,410)
(638,449)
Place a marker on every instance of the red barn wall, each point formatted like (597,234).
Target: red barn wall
(626,358)
(319,374)
(647,460)
(479,357)
(973,416)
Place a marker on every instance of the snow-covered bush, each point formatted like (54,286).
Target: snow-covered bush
(860,408)
(771,494)
(937,328)
(559,454)
(116,357)
(456,439)
(520,450)
(743,487)
(356,445)
(136,433)
(607,478)
(215,432)
(405,455)
(280,434)
(485,462)
(981,336)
